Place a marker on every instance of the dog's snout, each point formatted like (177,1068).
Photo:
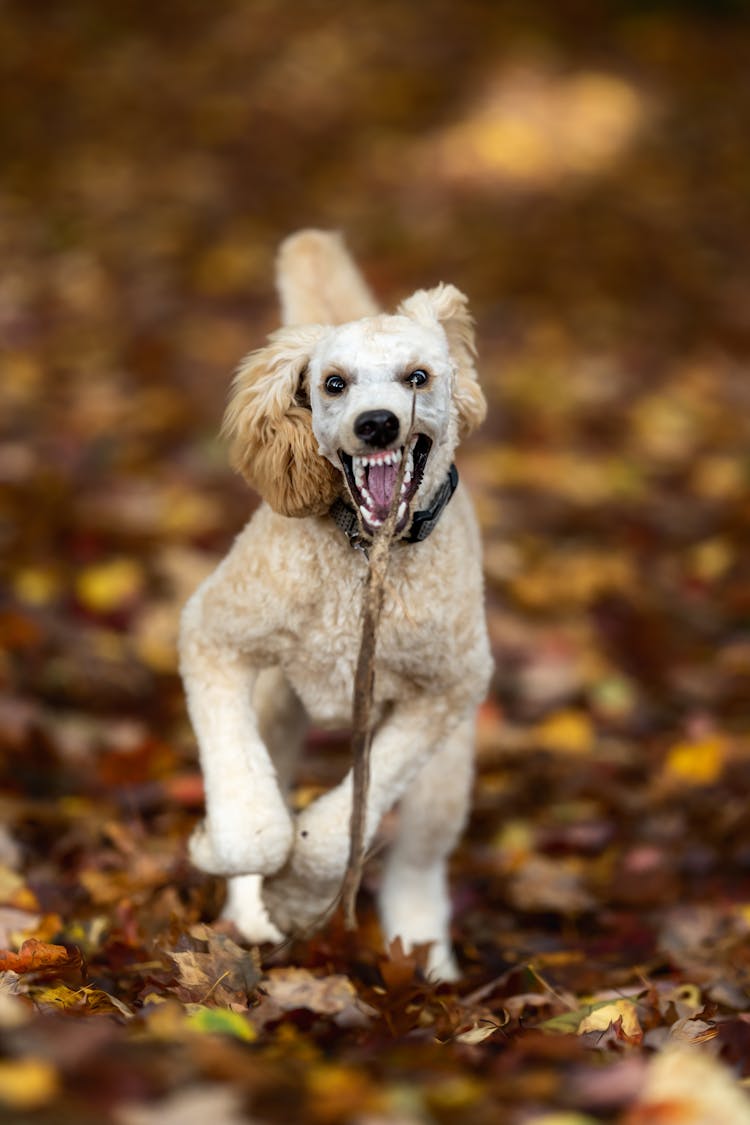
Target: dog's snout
(377,427)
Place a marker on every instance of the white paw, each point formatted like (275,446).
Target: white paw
(299,904)
(254,843)
(300,897)
(244,907)
(441,964)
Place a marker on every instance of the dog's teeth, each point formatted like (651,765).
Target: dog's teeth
(401,510)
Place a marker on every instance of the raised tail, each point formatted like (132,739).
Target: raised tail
(318,282)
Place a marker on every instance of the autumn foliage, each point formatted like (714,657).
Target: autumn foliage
(585,181)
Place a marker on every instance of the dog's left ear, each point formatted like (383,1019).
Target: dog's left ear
(449,307)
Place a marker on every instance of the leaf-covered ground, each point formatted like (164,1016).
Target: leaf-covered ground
(583,173)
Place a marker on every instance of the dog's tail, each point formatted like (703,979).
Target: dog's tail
(318,282)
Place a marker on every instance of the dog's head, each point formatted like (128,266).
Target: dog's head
(321,406)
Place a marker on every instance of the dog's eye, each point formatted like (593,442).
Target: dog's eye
(335,385)
(417,378)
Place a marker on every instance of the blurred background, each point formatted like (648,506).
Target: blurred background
(582,172)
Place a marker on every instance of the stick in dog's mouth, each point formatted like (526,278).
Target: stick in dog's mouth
(372,480)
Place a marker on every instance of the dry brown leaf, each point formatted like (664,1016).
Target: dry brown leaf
(334,995)
(223,974)
(692,1031)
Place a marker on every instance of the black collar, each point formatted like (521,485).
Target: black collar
(422,524)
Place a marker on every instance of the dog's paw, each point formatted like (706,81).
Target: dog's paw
(297,904)
(251,844)
(441,964)
(245,909)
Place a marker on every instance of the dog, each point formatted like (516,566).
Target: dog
(318,421)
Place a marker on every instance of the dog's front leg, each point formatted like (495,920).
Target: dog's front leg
(248,828)
(300,894)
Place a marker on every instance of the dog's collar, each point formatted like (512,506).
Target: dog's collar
(423,522)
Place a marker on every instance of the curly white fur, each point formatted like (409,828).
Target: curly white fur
(269,642)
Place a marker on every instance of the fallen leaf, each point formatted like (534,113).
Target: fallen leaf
(28,1084)
(35,955)
(692,1031)
(340,1093)
(220,1021)
(109,586)
(622,1013)
(569,732)
(698,762)
(92,1001)
(221,974)
(478,1033)
(335,995)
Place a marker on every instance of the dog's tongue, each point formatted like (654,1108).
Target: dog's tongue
(381,481)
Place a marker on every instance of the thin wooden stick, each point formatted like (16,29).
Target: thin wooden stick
(364,685)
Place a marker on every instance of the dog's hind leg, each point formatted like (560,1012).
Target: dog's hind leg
(414,898)
(282,722)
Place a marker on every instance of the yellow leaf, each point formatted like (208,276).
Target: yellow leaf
(337,1092)
(93,1001)
(710,560)
(455,1093)
(109,585)
(36,585)
(27,1084)
(604,1015)
(698,762)
(568,731)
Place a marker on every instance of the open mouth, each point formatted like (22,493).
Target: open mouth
(372,480)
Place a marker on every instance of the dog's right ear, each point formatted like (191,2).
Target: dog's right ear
(269,427)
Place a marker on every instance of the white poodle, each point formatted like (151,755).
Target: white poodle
(318,420)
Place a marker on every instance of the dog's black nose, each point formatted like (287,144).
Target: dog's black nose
(377,427)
